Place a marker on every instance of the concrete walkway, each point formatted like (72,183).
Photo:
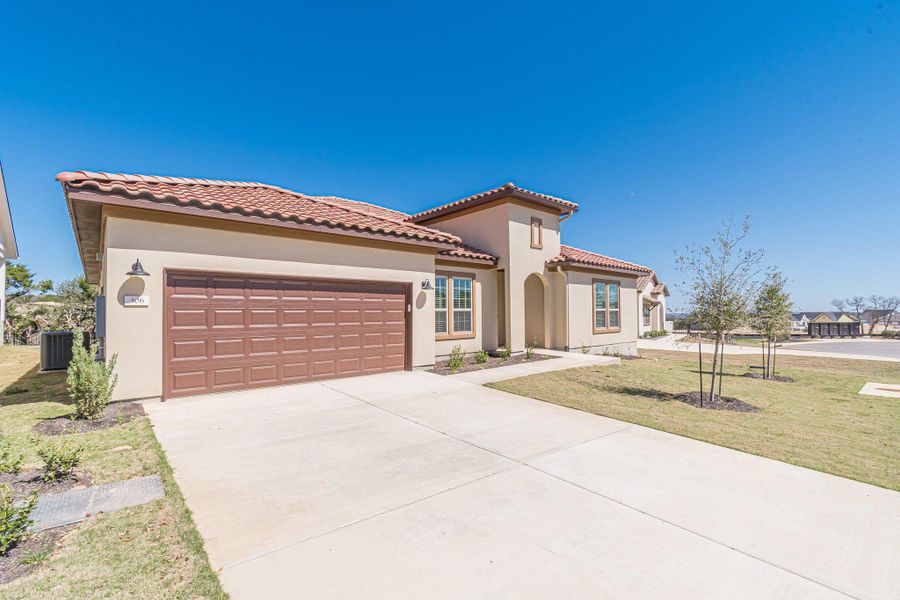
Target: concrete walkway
(564,360)
(671,342)
(413,485)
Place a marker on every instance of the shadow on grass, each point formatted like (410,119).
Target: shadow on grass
(641,392)
(34,386)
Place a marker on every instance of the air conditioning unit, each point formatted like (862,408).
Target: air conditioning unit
(56,349)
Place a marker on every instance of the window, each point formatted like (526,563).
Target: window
(537,233)
(606,306)
(646,317)
(454,315)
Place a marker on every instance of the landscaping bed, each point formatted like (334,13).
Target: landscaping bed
(28,481)
(781,378)
(30,554)
(704,400)
(469,364)
(114,414)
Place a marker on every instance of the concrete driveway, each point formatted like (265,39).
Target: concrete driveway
(412,485)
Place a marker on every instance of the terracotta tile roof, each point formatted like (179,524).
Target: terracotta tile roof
(506,190)
(258,199)
(583,258)
(469,253)
(643,280)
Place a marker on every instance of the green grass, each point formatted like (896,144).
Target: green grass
(149,551)
(820,421)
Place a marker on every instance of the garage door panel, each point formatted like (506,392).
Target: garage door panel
(238,332)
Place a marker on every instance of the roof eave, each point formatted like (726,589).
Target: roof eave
(7,230)
(590,267)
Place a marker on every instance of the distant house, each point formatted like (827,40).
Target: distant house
(651,299)
(872,320)
(800,321)
(834,324)
(8,248)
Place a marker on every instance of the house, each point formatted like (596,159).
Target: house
(833,324)
(8,249)
(651,303)
(214,285)
(800,321)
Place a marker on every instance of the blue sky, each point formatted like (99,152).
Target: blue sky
(659,119)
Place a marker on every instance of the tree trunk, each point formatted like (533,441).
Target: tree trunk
(700,355)
(721,366)
(774,354)
(763,348)
(715,364)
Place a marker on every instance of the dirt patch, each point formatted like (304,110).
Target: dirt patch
(26,482)
(118,413)
(441,368)
(781,378)
(29,554)
(720,403)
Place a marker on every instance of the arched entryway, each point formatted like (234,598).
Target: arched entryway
(535,326)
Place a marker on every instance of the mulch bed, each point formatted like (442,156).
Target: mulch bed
(781,378)
(721,402)
(441,368)
(24,483)
(114,414)
(31,549)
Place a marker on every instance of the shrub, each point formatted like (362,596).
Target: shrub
(585,349)
(9,462)
(529,349)
(655,333)
(457,358)
(14,389)
(481,357)
(15,519)
(505,352)
(60,460)
(90,383)
(888,334)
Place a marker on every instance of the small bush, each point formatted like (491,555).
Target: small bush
(585,349)
(10,462)
(655,333)
(90,383)
(14,389)
(14,519)
(505,352)
(457,358)
(481,357)
(529,349)
(60,460)
(889,334)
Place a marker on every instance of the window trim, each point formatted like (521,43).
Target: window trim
(607,283)
(539,244)
(452,335)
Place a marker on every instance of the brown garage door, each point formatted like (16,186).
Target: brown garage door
(225,332)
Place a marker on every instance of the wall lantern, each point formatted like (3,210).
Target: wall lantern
(426,285)
(137,270)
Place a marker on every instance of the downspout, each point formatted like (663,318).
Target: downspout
(565,274)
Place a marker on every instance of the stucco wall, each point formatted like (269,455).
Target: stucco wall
(136,334)
(581,302)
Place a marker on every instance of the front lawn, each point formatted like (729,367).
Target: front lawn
(149,551)
(820,421)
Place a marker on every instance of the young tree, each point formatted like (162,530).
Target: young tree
(723,279)
(859,305)
(772,317)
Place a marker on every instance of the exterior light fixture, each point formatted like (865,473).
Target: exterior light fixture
(426,285)
(137,269)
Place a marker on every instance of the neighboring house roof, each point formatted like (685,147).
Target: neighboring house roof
(469,253)
(809,315)
(508,190)
(256,200)
(658,287)
(582,258)
(833,317)
(7,233)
